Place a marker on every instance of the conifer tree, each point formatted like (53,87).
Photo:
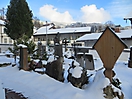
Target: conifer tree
(19,20)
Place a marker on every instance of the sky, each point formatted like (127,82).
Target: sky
(86,11)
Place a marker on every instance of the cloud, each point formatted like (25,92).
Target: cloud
(120,8)
(92,14)
(89,14)
(51,13)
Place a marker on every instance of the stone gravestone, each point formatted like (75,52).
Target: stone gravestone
(89,63)
(55,69)
(81,49)
(43,49)
(58,50)
(130,58)
(57,39)
(80,59)
(65,41)
(24,58)
(85,60)
(39,51)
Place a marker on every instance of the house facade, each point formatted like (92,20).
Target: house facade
(46,34)
(90,39)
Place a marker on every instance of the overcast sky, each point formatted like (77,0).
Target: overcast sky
(68,11)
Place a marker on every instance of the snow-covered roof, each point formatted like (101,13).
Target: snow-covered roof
(22,45)
(128,16)
(42,30)
(95,36)
(1,22)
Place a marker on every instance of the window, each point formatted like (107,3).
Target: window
(5,40)
(10,40)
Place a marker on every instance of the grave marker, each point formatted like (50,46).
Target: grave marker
(24,58)
(130,58)
(109,47)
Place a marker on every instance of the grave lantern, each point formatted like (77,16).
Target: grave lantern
(109,47)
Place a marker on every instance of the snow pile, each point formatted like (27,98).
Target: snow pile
(76,72)
(37,86)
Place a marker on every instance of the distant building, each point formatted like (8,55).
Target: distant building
(129,17)
(46,33)
(4,39)
(90,39)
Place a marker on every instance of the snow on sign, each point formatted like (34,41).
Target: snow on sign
(109,47)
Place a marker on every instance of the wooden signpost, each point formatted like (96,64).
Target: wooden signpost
(109,47)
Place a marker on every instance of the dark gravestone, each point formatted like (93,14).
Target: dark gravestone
(55,69)
(58,50)
(57,39)
(80,59)
(81,49)
(39,52)
(77,82)
(89,63)
(24,59)
(130,58)
(43,49)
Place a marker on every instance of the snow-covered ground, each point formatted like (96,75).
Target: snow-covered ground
(37,86)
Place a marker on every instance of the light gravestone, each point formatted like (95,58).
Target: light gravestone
(109,47)
(85,60)
(23,58)
(89,63)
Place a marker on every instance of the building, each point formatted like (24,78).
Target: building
(129,17)
(47,33)
(5,41)
(90,39)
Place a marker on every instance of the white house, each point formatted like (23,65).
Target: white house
(90,39)
(45,33)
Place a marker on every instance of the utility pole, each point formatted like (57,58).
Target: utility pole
(2,11)
(46,38)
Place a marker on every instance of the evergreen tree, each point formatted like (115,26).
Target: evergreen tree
(19,20)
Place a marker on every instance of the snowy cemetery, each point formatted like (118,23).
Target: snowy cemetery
(101,72)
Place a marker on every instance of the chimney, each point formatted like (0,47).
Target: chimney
(117,29)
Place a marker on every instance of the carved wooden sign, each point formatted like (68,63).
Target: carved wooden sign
(109,47)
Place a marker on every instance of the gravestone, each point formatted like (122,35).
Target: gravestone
(86,61)
(24,58)
(130,58)
(39,51)
(109,47)
(55,69)
(58,50)
(89,63)
(80,59)
(81,49)
(43,49)
(57,39)
(76,80)
(65,41)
